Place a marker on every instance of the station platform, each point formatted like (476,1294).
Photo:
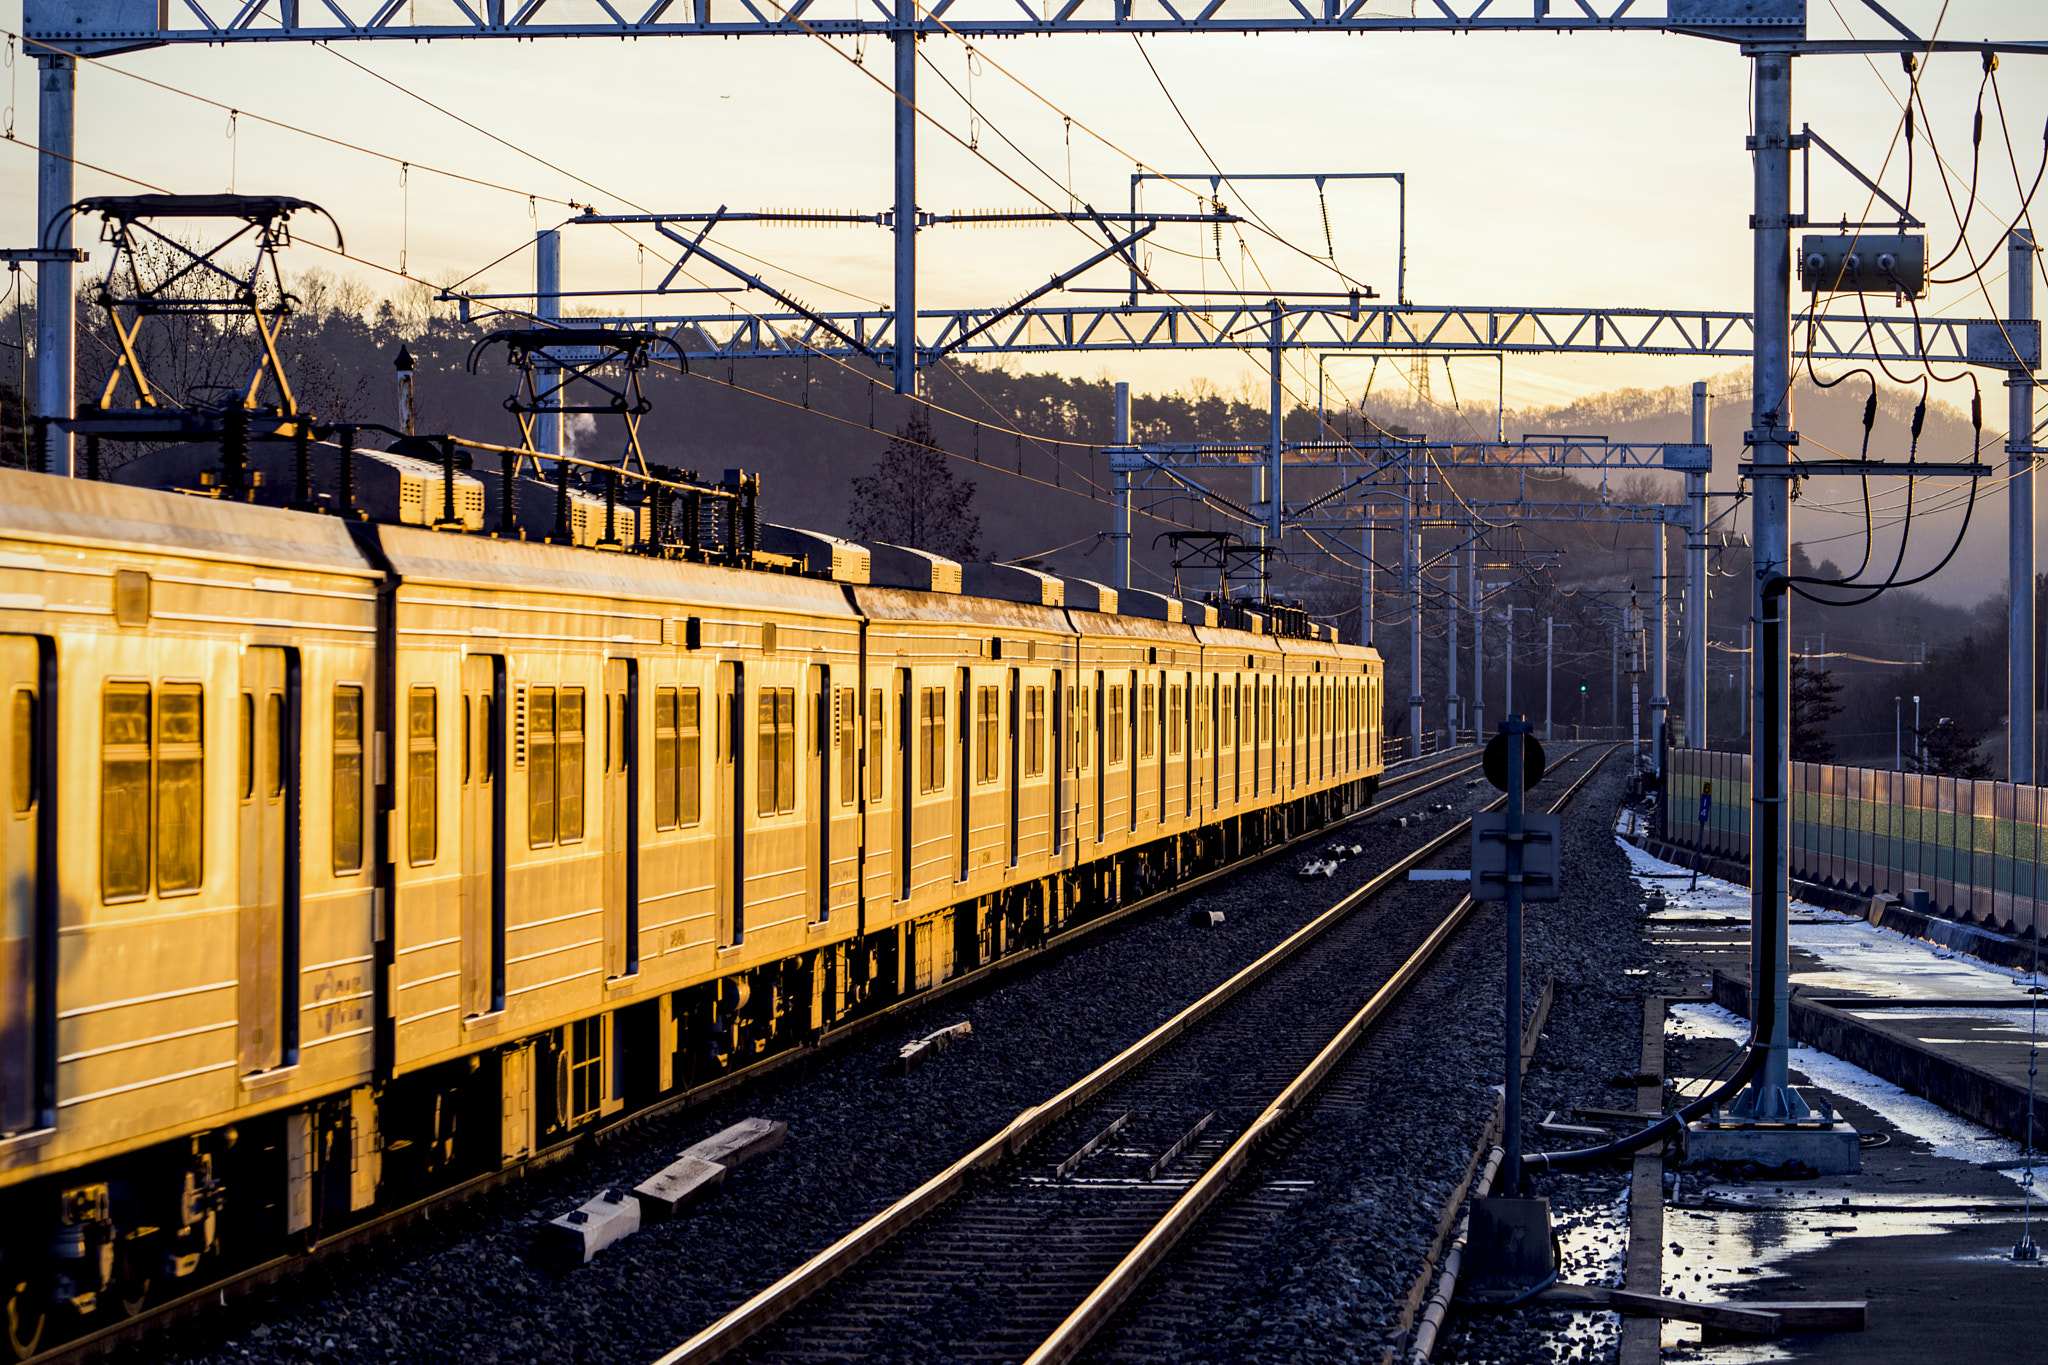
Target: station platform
(1926,1051)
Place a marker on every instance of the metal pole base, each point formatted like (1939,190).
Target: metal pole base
(1509,1250)
(1788,1132)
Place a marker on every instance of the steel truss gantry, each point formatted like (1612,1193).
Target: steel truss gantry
(125,25)
(1369,328)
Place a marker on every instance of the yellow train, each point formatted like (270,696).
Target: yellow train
(347,860)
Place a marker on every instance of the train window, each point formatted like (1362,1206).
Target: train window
(180,787)
(1034,731)
(348,779)
(466,740)
(1147,721)
(988,724)
(665,758)
(245,784)
(24,754)
(1201,726)
(1227,717)
(1083,730)
(486,726)
(775,756)
(569,763)
(273,748)
(849,746)
(878,742)
(1078,734)
(689,755)
(422,776)
(124,791)
(1113,723)
(1173,709)
(540,767)
(931,739)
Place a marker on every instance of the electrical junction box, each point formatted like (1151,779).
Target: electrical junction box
(1864,263)
(1539,856)
(1691,459)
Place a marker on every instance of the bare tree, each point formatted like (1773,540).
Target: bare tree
(913,499)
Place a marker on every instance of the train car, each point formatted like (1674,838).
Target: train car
(347,861)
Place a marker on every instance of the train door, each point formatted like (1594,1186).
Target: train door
(819,885)
(267,919)
(621,817)
(727,784)
(1131,743)
(1015,771)
(963,777)
(27,945)
(1059,765)
(1215,711)
(1096,741)
(1159,738)
(483,834)
(906,779)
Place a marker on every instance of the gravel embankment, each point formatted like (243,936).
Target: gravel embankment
(471,1286)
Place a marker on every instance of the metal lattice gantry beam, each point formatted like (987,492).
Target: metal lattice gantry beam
(124,25)
(1200,325)
(1534,452)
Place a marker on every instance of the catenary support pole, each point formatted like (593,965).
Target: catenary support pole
(1614,680)
(1451,639)
(1478,703)
(1511,1072)
(904,39)
(1507,664)
(56,304)
(1660,695)
(2019,386)
(1411,560)
(1549,669)
(1276,491)
(1770,439)
(1121,479)
(1365,614)
(1696,585)
(547,307)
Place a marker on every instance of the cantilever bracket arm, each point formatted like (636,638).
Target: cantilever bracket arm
(1115,248)
(1905,215)
(1203,493)
(695,247)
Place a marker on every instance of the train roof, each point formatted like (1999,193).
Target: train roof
(81,512)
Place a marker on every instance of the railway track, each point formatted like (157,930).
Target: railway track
(1401,787)
(1028,1244)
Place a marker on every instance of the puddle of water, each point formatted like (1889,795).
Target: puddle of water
(1595,1248)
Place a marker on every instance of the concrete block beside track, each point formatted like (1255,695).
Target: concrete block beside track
(742,1142)
(676,1186)
(581,1233)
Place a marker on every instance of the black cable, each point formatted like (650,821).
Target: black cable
(1969,510)
(1976,158)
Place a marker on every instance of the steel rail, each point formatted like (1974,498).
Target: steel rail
(770,1305)
(1073,1335)
(158,1316)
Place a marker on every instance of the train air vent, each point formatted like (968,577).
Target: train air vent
(519,727)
